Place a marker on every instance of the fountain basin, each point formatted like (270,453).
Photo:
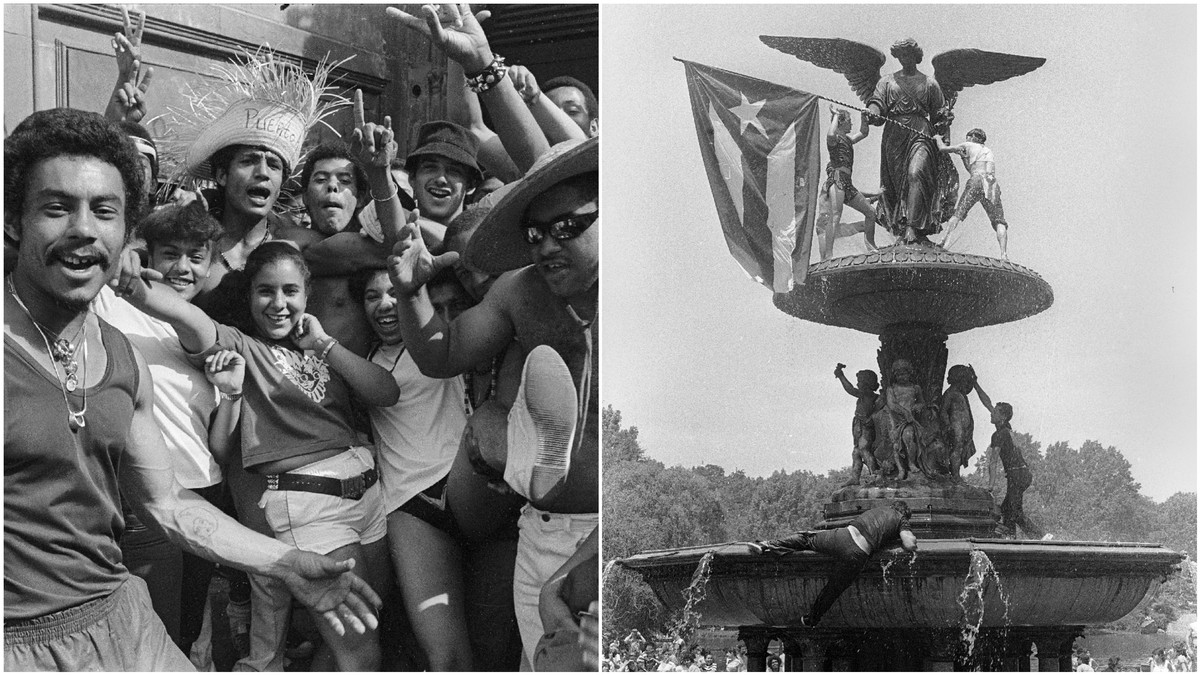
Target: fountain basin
(916,284)
(1045,583)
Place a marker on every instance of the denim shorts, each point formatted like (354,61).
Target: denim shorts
(323,523)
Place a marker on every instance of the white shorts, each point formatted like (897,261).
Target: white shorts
(323,523)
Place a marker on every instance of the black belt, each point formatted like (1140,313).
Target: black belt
(346,488)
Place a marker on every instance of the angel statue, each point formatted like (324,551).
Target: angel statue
(919,185)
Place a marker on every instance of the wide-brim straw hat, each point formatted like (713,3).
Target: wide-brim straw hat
(499,245)
(262,100)
(278,127)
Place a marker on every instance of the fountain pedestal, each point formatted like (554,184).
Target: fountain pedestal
(964,601)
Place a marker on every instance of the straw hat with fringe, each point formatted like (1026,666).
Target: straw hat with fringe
(499,245)
(262,101)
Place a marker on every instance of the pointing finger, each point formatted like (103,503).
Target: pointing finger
(359,114)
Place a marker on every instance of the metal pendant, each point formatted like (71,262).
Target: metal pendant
(72,382)
(76,420)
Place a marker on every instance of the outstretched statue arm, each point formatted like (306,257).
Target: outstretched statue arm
(850,389)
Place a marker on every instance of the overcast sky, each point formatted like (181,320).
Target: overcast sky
(1096,154)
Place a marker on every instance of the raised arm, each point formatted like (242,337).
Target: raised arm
(553,121)
(442,350)
(839,373)
(983,397)
(463,40)
(140,287)
(189,521)
(464,109)
(128,98)
(370,382)
(864,129)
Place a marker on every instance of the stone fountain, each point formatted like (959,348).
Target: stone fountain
(966,600)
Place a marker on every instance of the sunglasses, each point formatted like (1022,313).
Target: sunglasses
(560,230)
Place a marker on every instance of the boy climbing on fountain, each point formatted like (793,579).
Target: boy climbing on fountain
(862,427)
(851,546)
(1016,471)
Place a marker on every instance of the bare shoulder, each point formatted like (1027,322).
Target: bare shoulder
(300,236)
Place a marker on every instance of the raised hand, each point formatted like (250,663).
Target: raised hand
(525,83)
(374,144)
(455,29)
(128,43)
(330,588)
(129,97)
(309,334)
(411,264)
(226,370)
(130,277)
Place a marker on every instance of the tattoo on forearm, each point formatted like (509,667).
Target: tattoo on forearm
(198,525)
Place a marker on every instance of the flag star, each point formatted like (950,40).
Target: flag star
(747,112)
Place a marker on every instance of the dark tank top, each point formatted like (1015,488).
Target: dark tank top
(841,152)
(62,510)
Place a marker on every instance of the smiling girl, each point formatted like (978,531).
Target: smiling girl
(294,418)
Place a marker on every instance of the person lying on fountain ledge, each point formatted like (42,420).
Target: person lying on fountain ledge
(852,546)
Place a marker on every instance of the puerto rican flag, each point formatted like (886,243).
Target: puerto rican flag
(761,147)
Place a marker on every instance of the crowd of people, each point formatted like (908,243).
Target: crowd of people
(383,406)
(634,653)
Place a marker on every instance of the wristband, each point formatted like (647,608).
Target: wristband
(395,191)
(229,397)
(328,348)
(489,77)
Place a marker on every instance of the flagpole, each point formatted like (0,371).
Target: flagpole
(889,120)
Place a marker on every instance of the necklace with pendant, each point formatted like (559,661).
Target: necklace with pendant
(62,351)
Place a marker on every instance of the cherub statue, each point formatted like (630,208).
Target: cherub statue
(981,187)
(914,107)
(904,401)
(862,427)
(838,187)
(958,424)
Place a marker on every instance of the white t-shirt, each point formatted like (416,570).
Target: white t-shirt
(183,399)
(418,437)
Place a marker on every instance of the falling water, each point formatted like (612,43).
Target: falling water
(689,619)
(971,599)
(607,570)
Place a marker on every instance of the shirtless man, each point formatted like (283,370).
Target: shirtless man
(72,184)
(981,186)
(549,219)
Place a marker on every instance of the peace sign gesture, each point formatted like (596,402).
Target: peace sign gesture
(129,97)
(374,144)
(127,44)
(455,29)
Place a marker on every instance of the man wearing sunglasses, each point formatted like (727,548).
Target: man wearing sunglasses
(542,237)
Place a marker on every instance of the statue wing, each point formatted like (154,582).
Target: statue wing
(860,63)
(959,68)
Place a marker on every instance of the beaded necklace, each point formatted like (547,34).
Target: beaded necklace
(66,355)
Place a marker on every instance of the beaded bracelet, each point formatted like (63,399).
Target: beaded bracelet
(488,77)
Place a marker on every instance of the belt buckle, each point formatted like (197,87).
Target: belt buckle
(354,488)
